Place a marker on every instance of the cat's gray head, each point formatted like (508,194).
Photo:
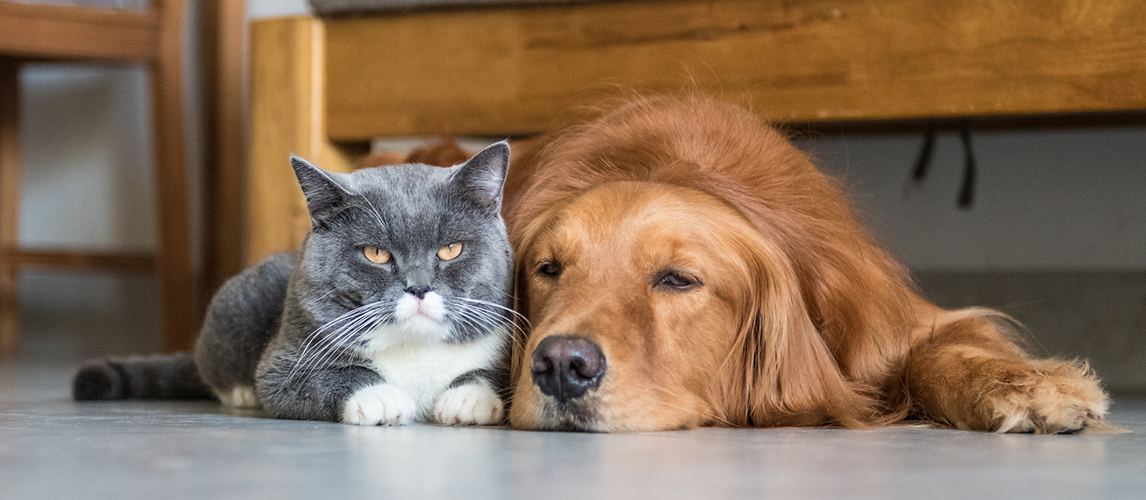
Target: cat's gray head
(414,252)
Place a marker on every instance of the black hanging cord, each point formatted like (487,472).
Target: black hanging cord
(924,161)
(967,191)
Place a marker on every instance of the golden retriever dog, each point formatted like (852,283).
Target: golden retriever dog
(681,264)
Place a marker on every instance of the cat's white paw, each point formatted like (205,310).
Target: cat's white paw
(470,404)
(382,404)
(239,397)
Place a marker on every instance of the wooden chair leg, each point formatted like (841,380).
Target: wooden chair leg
(222,37)
(178,286)
(9,204)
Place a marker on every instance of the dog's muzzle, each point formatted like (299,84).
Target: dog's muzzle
(565,367)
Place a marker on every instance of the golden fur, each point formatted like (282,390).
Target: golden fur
(799,318)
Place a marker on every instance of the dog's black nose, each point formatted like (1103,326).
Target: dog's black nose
(418,291)
(566,366)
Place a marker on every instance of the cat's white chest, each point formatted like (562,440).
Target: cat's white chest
(425,369)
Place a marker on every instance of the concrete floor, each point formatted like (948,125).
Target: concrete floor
(51,447)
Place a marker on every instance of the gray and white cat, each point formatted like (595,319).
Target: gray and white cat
(395,310)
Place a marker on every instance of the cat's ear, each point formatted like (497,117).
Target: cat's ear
(326,192)
(483,176)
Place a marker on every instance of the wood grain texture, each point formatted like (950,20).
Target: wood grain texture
(9,204)
(222,36)
(510,70)
(179,286)
(286,117)
(63,32)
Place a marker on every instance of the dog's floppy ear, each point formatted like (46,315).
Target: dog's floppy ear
(781,373)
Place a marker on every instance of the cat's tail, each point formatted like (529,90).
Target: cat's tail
(160,376)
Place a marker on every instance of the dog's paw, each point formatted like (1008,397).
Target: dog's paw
(1063,401)
(470,404)
(382,404)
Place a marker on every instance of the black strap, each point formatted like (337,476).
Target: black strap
(967,190)
(924,161)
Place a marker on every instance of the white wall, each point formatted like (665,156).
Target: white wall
(1048,199)
(261,9)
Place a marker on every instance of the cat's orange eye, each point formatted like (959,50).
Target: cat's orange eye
(376,255)
(450,252)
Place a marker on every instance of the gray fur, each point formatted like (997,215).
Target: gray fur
(241,320)
(281,327)
(140,377)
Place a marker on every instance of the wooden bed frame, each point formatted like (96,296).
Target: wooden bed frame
(322,88)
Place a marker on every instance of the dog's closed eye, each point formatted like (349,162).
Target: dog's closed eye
(549,269)
(675,280)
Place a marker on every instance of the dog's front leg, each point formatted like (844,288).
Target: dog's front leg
(965,373)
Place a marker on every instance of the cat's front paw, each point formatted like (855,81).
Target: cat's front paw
(382,404)
(470,404)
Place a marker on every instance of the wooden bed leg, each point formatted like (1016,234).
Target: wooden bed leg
(288,113)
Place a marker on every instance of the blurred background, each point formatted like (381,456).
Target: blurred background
(87,181)
(1056,235)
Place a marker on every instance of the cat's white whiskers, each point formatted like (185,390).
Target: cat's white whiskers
(492,317)
(346,335)
(513,327)
(350,327)
(344,318)
(327,294)
(488,319)
(498,306)
(310,340)
(468,320)
(474,313)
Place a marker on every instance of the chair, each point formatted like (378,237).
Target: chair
(45,33)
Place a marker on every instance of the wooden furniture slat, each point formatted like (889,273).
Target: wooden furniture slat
(81,260)
(223,97)
(50,31)
(179,287)
(287,116)
(9,203)
(510,70)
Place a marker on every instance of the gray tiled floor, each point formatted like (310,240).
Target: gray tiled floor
(51,447)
